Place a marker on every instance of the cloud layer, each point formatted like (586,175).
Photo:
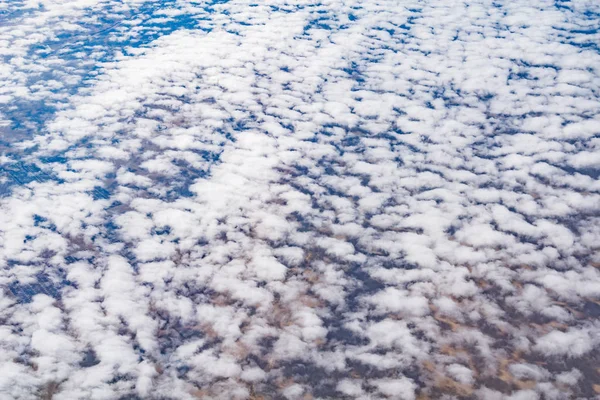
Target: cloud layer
(353,200)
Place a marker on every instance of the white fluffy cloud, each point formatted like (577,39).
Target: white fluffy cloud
(360,199)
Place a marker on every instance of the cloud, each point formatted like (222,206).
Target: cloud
(572,343)
(359,199)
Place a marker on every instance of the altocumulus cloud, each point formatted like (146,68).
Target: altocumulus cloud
(296,200)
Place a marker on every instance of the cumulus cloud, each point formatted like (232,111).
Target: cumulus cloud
(295,199)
